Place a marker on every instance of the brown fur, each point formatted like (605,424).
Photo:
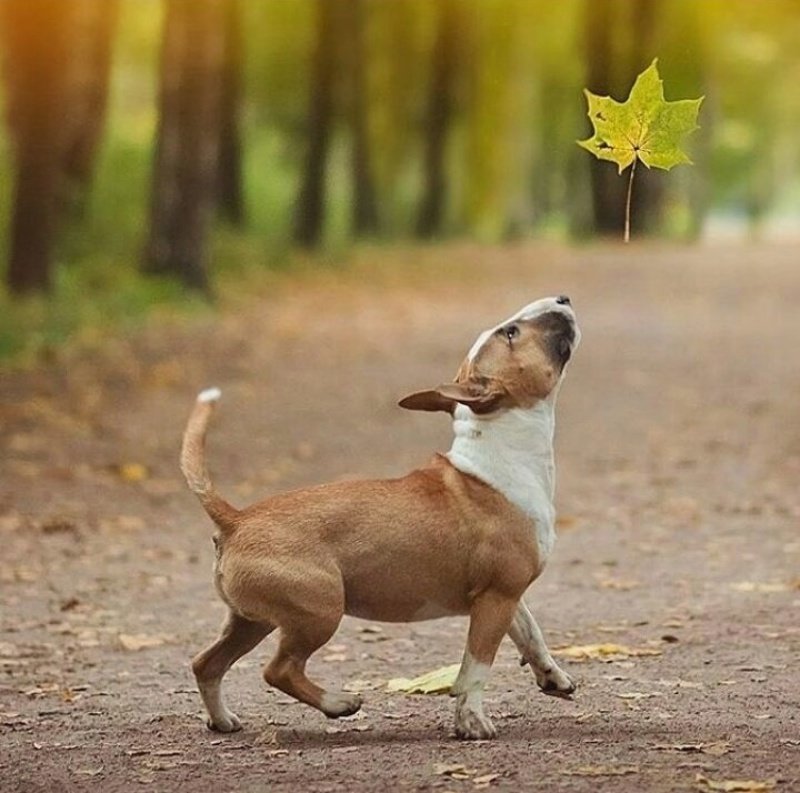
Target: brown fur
(433,543)
(455,535)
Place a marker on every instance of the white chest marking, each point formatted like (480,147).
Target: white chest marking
(513,452)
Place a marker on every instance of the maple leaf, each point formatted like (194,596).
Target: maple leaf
(645,127)
(439,681)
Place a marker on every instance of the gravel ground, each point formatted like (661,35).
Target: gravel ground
(679,454)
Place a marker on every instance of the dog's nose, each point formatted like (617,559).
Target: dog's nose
(563,300)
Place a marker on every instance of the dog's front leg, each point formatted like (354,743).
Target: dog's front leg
(490,620)
(526,634)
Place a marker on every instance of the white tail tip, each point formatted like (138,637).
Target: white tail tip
(209,395)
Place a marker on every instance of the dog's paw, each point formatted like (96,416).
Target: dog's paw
(473,724)
(225,722)
(555,682)
(337,704)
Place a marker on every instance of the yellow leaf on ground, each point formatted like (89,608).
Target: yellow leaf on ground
(757,586)
(133,472)
(139,641)
(640,695)
(716,749)
(733,785)
(454,770)
(622,585)
(439,681)
(602,770)
(605,652)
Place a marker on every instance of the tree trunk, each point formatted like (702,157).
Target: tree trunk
(438,113)
(611,72)
(36,34)
(187,144)
(229,168)
(89,75)
(365,205)
(310,208)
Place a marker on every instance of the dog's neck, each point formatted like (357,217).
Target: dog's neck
(512,452)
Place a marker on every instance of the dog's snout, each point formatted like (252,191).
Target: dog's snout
(563,300)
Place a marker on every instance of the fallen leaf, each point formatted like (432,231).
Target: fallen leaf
(604,652)
(715,749)
(59,525)
(132,472)
(637,695)
(139,641)
(69,604)
(756,586)
(439,681)
(623,585)
(334,657)
(731,785)
(453,770)
(371,629)
(89,771)
(602,770)
(566,521)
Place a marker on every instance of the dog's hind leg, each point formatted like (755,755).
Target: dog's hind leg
(238,637)
(526,634)
(299,639)
(490,619)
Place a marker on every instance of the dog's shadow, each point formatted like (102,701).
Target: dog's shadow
(513,731)
(309,738)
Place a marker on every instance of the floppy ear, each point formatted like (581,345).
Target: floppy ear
(480,398)
(430,400)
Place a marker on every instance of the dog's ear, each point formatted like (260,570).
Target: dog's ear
(480,398)
(430,401)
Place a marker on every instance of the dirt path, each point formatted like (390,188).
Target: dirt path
(678,454)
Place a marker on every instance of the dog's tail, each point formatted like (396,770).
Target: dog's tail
(193,462)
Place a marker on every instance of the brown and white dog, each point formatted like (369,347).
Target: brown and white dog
(465,534)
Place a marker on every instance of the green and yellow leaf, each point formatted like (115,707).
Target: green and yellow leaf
(645,127)
(439,681)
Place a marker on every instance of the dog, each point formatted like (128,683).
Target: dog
(466,534)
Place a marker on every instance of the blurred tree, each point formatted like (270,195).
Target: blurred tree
(440,107)
(89,71)
(365,204)
(400,39)
(36,36)
(620,42)
(229,167)
(310,207)
(185,176)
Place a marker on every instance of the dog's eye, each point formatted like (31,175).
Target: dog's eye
(511,332)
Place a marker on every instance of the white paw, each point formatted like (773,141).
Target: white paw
(337,704)
(472,723)
(555,682)
(224,722)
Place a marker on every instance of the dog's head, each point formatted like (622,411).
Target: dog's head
(514,364)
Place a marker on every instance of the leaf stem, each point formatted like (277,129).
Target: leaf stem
(628,201)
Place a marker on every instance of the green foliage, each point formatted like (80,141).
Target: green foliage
(645,127)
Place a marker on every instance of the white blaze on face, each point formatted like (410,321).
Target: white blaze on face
(531,311)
